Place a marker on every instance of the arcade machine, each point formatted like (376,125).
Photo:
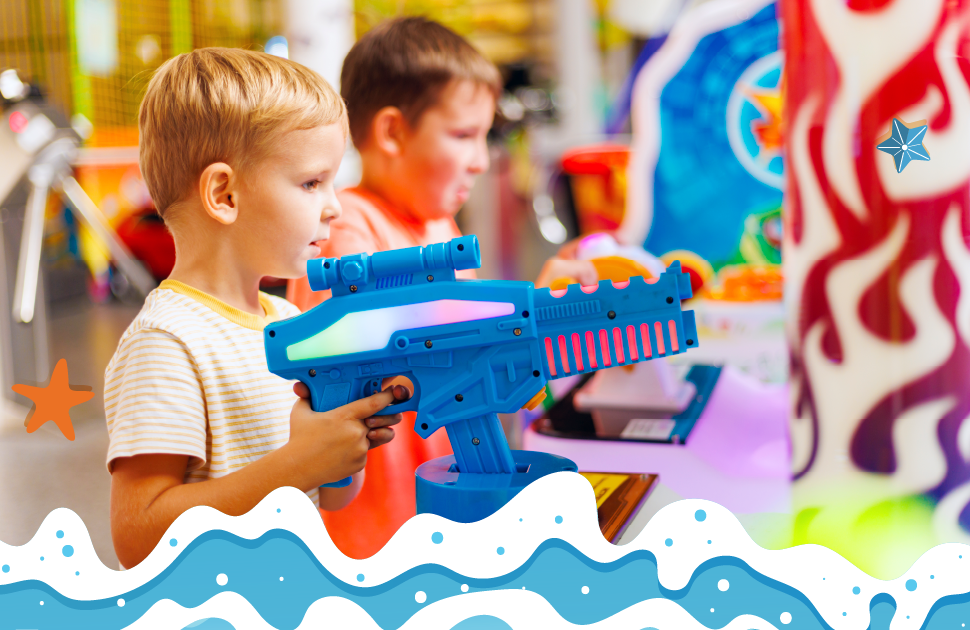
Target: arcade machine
(712,424)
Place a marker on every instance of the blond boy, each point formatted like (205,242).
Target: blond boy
(239,150)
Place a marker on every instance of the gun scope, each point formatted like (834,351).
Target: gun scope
(360,269)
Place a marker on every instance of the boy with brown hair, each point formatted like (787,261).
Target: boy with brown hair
(420,102)
(239,151)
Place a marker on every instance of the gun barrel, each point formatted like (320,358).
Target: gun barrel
(458,253)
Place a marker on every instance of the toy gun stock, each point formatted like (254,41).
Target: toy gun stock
(471,348)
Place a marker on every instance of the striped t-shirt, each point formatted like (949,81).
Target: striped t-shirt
(189,377)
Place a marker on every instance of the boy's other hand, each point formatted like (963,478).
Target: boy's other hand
(570,249)
(582,271)
(332,445)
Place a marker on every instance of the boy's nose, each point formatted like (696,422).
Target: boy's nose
(481,161)
(332,210)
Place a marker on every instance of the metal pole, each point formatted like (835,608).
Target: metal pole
(93,218)
(25,291)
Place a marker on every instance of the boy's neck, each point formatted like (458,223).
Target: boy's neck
(377,178)
(215,268)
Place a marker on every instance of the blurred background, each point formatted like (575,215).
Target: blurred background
(656,130)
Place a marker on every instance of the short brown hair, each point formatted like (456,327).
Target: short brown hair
(223,105)
(405,63)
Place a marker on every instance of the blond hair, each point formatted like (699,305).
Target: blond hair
(405,63)
(223,105)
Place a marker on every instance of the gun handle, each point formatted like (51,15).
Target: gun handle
(343,483)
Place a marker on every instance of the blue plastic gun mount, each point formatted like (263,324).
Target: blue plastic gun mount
(472,349)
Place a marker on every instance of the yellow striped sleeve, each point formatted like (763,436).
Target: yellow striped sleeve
(189,377)
(154,399)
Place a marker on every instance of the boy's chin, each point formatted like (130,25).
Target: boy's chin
(442,211)
(293,271)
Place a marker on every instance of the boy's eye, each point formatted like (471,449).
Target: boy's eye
(311,184)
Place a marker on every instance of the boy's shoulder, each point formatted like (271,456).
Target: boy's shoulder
(369,223)
(164,310)
(166,324)
(361,206)
(183,328)
(175,314)
(366,224)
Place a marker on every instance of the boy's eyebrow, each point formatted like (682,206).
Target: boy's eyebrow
(307,165)
(316,169)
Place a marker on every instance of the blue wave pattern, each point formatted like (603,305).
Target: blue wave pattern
(280,577)
(556,571)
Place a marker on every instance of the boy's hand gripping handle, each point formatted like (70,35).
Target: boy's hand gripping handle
(346,481)
(358,391)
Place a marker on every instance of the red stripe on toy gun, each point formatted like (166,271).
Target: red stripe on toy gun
(568,348)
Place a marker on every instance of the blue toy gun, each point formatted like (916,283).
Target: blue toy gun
(471,349)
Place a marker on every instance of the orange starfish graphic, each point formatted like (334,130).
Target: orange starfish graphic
(53,402)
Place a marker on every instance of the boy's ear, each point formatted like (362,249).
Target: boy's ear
(216,192)
(387,130)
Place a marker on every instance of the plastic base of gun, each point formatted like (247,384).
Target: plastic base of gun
(480,446)
(343,483)
(469,497)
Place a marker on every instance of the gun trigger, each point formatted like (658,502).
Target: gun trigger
(509,324)
(535,400)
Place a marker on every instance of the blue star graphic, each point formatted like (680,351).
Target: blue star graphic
(905,145)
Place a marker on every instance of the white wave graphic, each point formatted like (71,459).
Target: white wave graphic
(469,550)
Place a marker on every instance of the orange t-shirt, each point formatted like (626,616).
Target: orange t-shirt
(370,224)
